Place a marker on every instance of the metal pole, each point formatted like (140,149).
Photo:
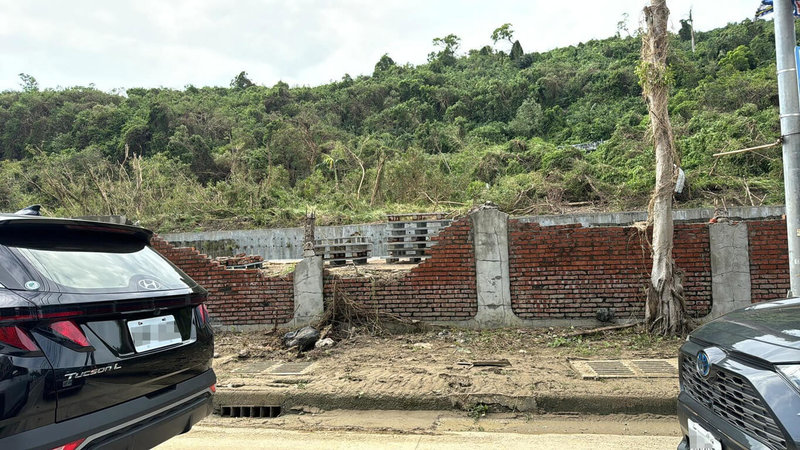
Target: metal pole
(785,43)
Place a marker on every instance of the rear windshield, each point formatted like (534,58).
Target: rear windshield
(83,261)
(77,271)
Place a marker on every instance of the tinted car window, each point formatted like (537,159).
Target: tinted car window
(12,275)
(90,258)
(79,271)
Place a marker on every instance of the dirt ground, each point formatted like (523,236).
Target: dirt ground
(437,363)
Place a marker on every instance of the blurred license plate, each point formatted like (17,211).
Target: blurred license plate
(155,332)
(701,438)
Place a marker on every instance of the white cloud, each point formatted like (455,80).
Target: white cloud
(207,42)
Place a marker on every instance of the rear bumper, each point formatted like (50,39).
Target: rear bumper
(140,423)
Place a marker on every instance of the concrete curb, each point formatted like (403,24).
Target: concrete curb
(540,404)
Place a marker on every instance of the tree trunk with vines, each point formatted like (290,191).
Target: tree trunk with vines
(665,309)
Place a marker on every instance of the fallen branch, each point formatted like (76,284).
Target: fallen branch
(437,202)
(602,329)
(343,315)
(749,149)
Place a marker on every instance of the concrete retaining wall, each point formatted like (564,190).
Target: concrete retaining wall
(274,243)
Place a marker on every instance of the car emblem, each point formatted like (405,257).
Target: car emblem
(148,284)
(703,364)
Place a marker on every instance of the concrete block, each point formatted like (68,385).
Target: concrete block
(490,232)
(308,294)
(730,267)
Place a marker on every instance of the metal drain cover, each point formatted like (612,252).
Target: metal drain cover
(293,368)
(256,367)
(610,368)
(655,366)
(626,368)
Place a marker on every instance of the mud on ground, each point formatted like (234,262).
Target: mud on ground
(427,364)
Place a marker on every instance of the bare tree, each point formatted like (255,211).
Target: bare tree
(665,309)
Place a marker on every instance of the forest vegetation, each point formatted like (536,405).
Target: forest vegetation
(464,128)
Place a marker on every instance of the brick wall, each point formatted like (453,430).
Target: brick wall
(440,288)
(569,271)
(235,297)
(692,253)
(769,260)
(565,271)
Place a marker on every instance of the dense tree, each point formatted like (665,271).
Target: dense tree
(462,128)
(503,33)
(28,83)
(241,81)
(383,65)
(447,46)
(516,51)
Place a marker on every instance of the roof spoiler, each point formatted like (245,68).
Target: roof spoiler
(33,210)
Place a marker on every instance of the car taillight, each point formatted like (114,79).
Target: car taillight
(67,329)
(17,338)
(72,445)
(11,316)
(202,314)
(213,388)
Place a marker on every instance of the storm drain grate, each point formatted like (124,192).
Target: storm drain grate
(256,367)
(295,368)
(626,368)
(251,411)
(655,367)
(609,368)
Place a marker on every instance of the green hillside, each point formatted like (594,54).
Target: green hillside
(464,128)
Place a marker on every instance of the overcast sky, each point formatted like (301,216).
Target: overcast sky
(174,43)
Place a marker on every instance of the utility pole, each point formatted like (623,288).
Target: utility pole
(691,24)
(785,43)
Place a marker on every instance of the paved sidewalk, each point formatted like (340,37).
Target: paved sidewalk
(431,429)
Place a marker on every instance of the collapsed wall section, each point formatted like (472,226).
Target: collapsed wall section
(235,297)
(440,288)
(569,271)
(769,260)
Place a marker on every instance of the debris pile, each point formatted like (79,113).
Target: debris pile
(240,261)
(345,318)
(304,338)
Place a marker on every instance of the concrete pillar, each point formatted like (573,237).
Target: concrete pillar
(490,232)
(308,296)
(730,267)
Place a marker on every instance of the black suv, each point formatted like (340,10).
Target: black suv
(103,342)
(740,380)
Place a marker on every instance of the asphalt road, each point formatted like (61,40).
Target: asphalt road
(430,430)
